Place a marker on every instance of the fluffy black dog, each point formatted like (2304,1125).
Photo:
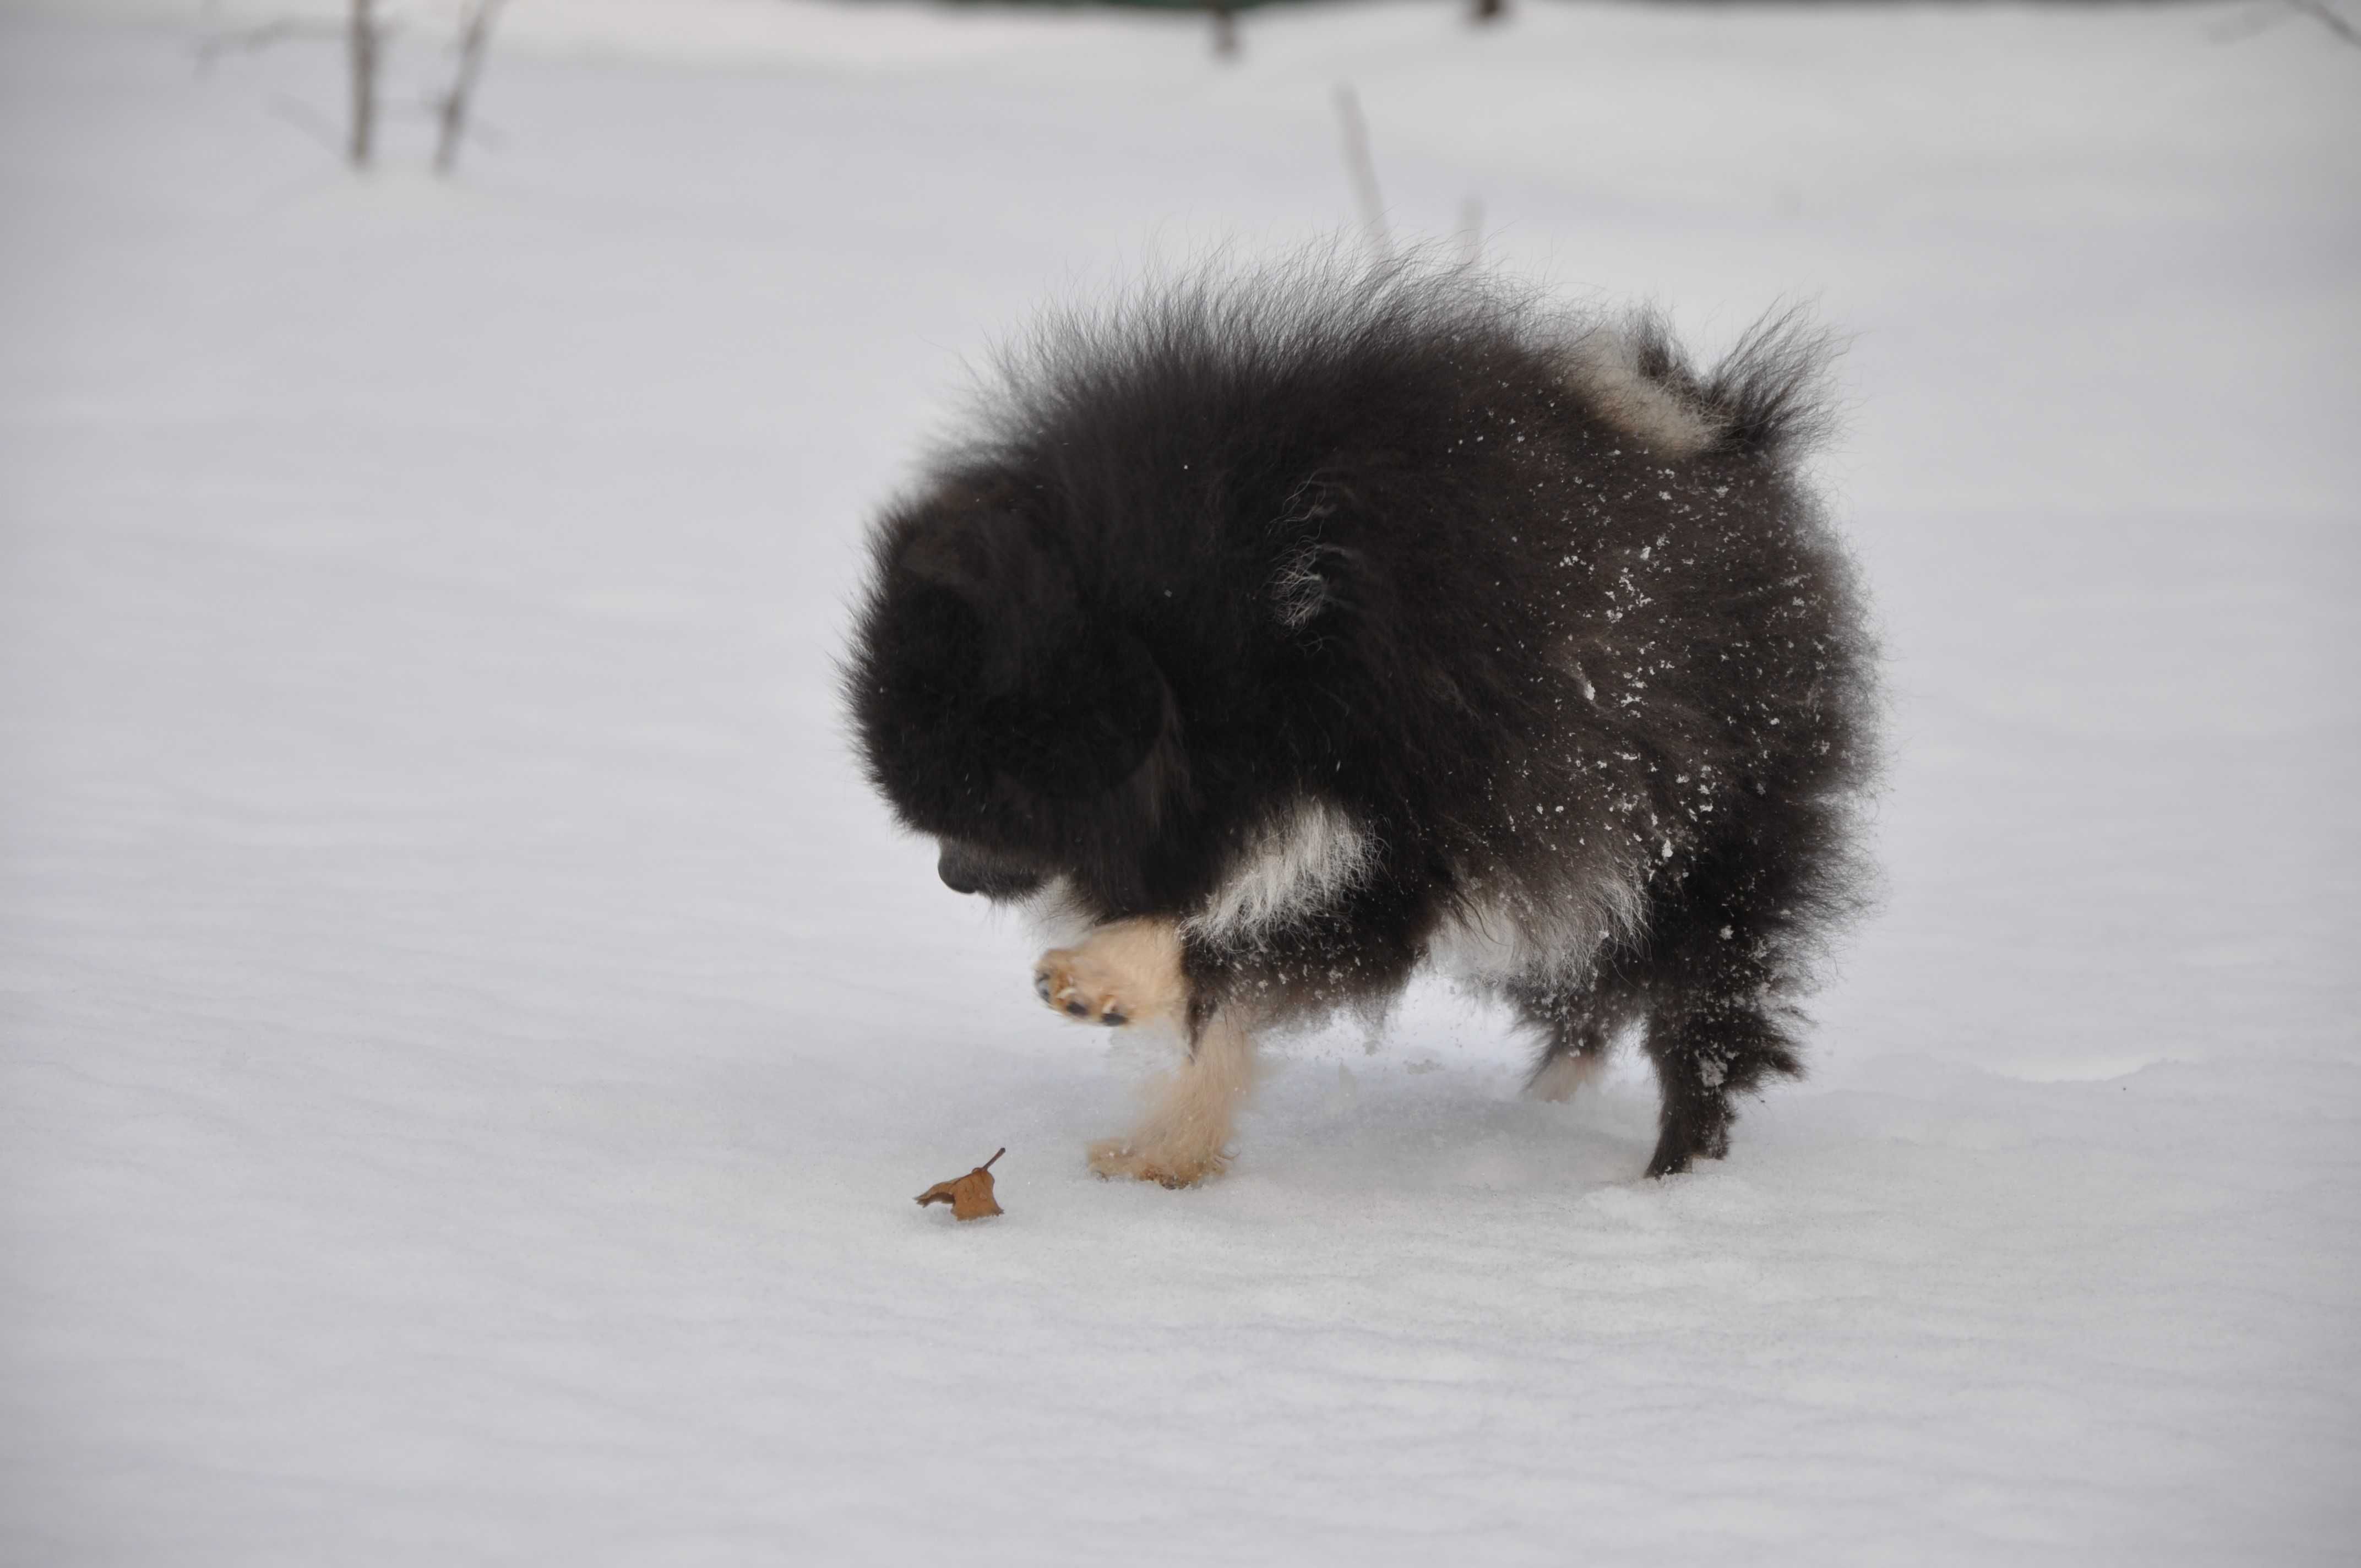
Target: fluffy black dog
(1294,629)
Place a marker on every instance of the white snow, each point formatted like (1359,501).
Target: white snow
(470,1041)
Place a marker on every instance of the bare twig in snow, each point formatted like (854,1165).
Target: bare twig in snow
(362,39)
(2238,29)
(1225,29)
(2319,11)
(451,109)
(1364,172)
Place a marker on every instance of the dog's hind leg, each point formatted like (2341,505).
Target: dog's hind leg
(1186,1135)
(1577,1022)
(1708,1049)
(1722,954)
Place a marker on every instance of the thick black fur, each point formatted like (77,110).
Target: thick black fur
(1366,539)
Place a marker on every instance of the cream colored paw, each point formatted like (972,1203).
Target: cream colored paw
(1068,979)
(1120,974)
(1112,1157)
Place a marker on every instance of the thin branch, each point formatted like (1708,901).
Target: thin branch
(2319,12)
(2263,19)
(474,38)
(362,40)
(364,35)
(1225,29)
(1362,170)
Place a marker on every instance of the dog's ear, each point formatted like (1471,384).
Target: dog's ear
(1313,580)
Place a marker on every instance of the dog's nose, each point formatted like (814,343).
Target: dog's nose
(959,871)
(966,870)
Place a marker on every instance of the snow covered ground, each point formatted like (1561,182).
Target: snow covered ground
(468,1042)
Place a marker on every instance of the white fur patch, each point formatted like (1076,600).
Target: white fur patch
(1302,860)
(1299,592)
(1603,367)
(1567,1076)
(1056,918)
(1511,937)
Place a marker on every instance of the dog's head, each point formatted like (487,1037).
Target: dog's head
(1003,707)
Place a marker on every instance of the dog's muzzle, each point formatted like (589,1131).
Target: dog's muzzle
(965,868)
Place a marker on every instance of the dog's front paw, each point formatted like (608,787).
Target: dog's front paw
(1077,983)
(1123,973)
(1112,1157)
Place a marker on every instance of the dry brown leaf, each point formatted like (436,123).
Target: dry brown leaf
(970,1195)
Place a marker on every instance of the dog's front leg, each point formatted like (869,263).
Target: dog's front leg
(1126,972)
(1129,971)
(1185,1137)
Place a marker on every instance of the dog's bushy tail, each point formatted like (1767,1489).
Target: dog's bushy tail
(1769,397)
